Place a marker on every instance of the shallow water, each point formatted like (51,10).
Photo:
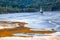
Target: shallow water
(50,20)
(21,34)
(35,19)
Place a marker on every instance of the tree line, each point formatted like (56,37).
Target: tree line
(27,5)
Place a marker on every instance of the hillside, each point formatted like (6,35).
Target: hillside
(28,5)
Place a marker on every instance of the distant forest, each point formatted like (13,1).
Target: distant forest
(28,5)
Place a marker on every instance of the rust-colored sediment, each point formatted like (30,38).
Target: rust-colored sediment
(10,31)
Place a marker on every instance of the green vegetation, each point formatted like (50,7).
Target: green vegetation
(28,5)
